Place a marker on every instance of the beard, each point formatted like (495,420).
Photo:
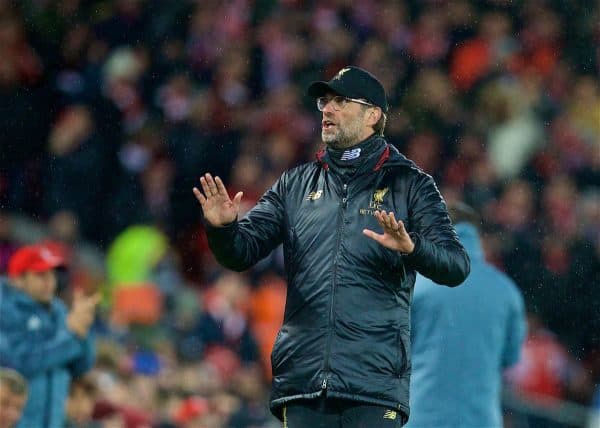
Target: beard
(343,137)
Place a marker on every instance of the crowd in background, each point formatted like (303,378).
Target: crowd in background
(111,110)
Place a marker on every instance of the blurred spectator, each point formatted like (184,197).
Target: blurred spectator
(225,322)
(267,305)
(253,409)
(546,372)
(80,404)
(13,395)
(192,412)
(41,339)
(77,164)
(481,55)
(514,132)
(134,254)
(120,416)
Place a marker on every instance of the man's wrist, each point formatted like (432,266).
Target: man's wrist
(414,240)
(220,226)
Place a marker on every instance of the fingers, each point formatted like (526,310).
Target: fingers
(377,237)
(221,187)
(78,294)
(205,187)
(401,228)
(212,186)
(94,299)
(236,201)
(199,196)
(390,224)
(387,221)
(390,221)
(82,302)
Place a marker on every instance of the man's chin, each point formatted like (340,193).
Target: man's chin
(330,139)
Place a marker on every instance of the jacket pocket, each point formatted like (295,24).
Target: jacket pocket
(394,267)
(402,360)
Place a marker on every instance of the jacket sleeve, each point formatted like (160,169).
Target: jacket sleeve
(438,253)
(241,244)
(87,359)
(28,357)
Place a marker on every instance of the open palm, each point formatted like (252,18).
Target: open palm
(217,207)
(394,236)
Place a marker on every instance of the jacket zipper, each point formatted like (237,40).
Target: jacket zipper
(332,298)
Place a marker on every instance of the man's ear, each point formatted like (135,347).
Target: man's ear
(374,116)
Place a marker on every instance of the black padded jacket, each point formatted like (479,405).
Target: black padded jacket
(346,324)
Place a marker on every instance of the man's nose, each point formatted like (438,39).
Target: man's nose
(328,108)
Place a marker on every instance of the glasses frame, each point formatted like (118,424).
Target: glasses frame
(340,103)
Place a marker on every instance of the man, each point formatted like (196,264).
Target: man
(13,393)
(39,338)
(463,339)
(340,357)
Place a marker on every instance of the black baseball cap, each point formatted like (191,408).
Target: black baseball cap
(352,82)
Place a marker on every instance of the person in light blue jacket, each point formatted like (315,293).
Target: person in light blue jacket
(462,340)
(40,338)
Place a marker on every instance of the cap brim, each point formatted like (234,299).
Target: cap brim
(318,89)
(44,266)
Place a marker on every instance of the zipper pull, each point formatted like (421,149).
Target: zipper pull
(324,385)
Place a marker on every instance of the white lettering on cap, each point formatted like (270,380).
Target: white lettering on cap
(48,257)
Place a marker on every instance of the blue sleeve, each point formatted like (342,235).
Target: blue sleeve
(87,359)
(516,331)
(17,350)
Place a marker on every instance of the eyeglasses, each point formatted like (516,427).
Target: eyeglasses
(339,102)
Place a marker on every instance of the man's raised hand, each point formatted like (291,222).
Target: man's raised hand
(217,207)
(395,236)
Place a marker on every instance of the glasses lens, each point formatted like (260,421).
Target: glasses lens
(337,101)
(321,102)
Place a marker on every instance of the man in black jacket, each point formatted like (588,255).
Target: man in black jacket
(342,357)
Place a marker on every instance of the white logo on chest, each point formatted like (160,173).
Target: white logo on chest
(351,154)
(34,323)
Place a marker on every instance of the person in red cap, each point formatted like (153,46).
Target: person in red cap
(39,337)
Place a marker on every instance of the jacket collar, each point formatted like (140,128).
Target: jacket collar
(20,298)
(390,157)
(397,159)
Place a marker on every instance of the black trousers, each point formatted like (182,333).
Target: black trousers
(326,412)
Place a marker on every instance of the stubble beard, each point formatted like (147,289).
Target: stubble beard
(342,138)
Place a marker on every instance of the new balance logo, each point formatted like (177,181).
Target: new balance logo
(390,414)
(351,154)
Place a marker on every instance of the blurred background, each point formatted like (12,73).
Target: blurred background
(111,110)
